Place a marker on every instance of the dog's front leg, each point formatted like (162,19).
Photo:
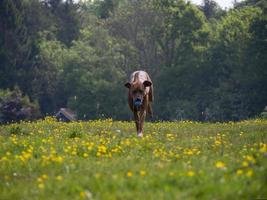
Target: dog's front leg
(142,120)
(138,123)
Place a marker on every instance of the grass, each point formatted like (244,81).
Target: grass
(105,160)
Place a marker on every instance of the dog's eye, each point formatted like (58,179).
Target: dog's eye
(135,91)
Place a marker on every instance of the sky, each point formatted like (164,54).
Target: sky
(223,3)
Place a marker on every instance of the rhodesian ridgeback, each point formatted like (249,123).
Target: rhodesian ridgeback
(140,98)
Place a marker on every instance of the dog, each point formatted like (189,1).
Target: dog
(140,98)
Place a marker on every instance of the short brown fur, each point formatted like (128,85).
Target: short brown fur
(140,87)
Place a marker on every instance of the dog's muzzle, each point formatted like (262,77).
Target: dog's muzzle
(137,103)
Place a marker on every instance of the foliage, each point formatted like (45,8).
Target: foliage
(92,74)
(234,92)
(211,9)
(15,107)
(206,63)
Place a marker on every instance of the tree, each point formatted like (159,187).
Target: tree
(183,43)
(211,9)
(205,63)
(135,23)
(15,44)
(259,3)
(67,17)
(92,77)
(234,92)
(47,81)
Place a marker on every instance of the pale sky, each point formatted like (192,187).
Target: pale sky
(223,3)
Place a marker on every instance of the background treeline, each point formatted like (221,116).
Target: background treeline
(206,63)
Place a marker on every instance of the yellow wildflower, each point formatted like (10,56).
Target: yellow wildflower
(41,185)
(142,173)
(4,158)
(250,159)
(82,194)
(263,148)
(85,155)
(244,163)
(218,142)
(239,172)
(249,173)
(220,165)
(39,180)
(190,173)
(171,174)
(129,174)
(44,176)
(59,178)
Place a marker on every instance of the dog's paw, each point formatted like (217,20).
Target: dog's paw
(140,134)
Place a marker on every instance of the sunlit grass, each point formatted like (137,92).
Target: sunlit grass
(105,160)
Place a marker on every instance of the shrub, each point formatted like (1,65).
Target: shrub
(15,107)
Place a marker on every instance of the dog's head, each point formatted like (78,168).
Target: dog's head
(138,91)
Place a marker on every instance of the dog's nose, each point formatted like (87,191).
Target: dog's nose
(137,102)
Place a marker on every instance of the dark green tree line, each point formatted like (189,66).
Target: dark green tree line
(206,63)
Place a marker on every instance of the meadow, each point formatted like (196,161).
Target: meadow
(105,159)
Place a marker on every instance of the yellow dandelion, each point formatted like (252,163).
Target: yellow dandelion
(190,173)
(58,159)
(40,180)
(239,172)
(249,173)
(244,163)
(142,173)
(85,155)
(220,165)
(82,194)
(59,178)
(217,142)
(250,159)
(4,158)
(129,174)
(127,142)
(44,176)
(263,148)
(86,194)
(188,152)
(171,173)
(41,185)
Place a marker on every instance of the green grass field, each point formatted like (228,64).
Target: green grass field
(105,160)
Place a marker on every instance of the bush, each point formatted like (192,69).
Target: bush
(15,107)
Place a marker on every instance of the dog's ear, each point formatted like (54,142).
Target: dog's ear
(147,83)
(128,85)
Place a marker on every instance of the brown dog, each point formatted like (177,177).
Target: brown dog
(140,98)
